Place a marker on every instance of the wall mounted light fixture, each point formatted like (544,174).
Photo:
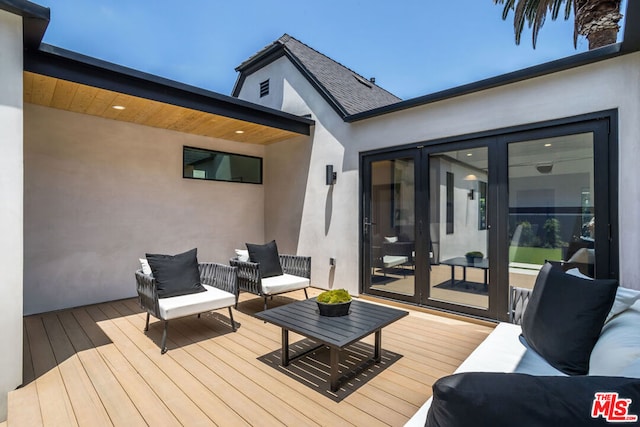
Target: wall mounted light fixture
(331,176)
(472,180)
(544,167)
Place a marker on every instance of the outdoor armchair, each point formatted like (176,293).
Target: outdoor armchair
(296,275)
(221,289)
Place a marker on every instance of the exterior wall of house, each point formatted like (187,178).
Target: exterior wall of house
(306,215)
(11,190)
(600,86)
(330,215)
(99,194)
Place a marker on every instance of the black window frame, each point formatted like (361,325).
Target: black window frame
(217,152)
(605,127)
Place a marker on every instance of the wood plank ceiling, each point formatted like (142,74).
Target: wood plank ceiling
(79,98)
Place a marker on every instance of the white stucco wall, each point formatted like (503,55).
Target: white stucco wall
(321,213)
(99,194)
(11,190)
(604,85)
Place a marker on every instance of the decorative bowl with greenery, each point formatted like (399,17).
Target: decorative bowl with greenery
(334,303)
(474,256)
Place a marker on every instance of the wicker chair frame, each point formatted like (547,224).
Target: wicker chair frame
(518,300)
(250,280)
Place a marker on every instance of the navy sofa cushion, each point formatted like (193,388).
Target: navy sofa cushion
(564,317)
(267,256)
(479,399)
(176,274)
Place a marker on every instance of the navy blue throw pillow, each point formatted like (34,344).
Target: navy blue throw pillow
(490,399)
(564,317)
(176,274)
(267,256)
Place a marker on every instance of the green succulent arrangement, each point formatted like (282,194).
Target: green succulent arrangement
(474,254)
(335,296)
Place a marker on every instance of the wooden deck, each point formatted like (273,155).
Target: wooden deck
(94,366)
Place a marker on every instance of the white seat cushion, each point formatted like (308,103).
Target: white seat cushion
(284,283)
(186,305)
(617,351)
(392,260)
(501,351)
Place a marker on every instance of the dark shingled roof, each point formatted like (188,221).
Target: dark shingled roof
(347,91)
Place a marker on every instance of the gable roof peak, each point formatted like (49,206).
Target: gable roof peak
(285,38)
(347,91)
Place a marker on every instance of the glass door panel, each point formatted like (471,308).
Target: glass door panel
(390,228)
(551,210)
(458,232)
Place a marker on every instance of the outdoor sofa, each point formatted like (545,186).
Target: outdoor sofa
(578,337)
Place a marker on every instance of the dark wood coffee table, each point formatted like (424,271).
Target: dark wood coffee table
(462,262)
(334,332)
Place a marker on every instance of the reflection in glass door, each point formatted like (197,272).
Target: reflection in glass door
(551,209)
(458,246)
(389,230)
(452,225)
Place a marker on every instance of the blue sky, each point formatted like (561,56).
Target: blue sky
(411,47)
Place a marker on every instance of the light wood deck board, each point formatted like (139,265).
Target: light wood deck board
(98,358)
(24,407)
(197,370)
(151,407)
(55,406)
(346,409)
(87,405)
(114,398)
(158,371)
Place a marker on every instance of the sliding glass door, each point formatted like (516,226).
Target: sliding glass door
(551,216)
(561,202)
(459,271)
(389,225)
(453,225)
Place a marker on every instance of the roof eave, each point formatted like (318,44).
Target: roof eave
(573,61)
(34,23)
(261,59)
(631,36)
(55,62)
(322,90)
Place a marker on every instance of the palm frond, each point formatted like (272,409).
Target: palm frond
(534,13)
(567,9)
(508,5)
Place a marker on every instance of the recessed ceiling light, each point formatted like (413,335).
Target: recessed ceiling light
(118,107)
(239,132)
(548,144)
(469,154)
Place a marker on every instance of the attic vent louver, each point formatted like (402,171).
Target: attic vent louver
(264,88)
(363,81)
